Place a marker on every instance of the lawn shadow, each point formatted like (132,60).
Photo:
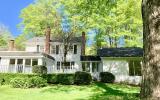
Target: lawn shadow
(62,88)
(112,94)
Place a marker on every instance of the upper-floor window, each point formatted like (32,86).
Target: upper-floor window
(75,49)
(53,50)
(38,48)
(57,49)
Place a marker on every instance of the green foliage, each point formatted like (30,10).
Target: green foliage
(39,69)
(107,77)
(6,77)
(66,79)
(5,35)
(82,78)
(23,82)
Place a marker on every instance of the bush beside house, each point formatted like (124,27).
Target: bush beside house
(107,77)
(82,78)
(39,69)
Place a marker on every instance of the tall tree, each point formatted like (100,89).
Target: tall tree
(5,35)
(150,89)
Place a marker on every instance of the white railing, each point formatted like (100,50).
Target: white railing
(15,69)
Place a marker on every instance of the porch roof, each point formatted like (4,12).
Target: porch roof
(24,54)
(90,58)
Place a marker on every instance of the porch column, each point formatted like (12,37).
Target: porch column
(24,65)
(16,68)
(90,67)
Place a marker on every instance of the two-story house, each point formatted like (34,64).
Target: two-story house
(124,63)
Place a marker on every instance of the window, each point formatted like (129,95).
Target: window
(94,66)
(53,50)
(12,62)
(20,61)
(38,48)
(28,62)
(75,49)
(58,65)
(86,66)
(134,68)
(57,49)
(72,64)
(34,62)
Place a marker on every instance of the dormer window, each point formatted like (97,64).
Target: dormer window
(75,49)
(38,48)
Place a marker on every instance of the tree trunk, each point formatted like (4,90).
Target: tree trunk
(150,89)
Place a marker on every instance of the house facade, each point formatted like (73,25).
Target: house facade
(124,63)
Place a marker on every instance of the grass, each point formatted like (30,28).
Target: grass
(96,91)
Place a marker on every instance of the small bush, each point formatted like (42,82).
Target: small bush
(19,82)
(51,78)
(39,69)
(82,78)
(36,81)
(107,77)
(66,79)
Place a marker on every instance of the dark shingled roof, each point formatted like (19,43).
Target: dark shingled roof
(90,58)
(120,52)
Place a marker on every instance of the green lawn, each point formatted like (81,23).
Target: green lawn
(96,91)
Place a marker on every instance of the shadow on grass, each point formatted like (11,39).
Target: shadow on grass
(112,94)
(63,88)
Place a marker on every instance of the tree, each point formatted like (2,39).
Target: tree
(150,89)
(5,35)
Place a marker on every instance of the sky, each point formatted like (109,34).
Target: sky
(9,14)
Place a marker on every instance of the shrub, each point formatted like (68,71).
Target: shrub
(18,82)
(66,79)
(7,77)
(107,77)
(51,78)
(39,69)
(36,81)
(82,78)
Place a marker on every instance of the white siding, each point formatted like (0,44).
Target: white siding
(120,69)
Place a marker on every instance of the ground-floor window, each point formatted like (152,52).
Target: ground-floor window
(66,65)
(90,66)
(134,68)
(34,62)
(12,62)
(58,65)
(27,62)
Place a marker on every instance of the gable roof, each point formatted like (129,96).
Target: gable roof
(42,40)
(120,52)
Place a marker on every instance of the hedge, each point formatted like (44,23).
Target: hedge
(39,69)
(82,78)
(107,77)
(36,81)
(66,79)
(5,78)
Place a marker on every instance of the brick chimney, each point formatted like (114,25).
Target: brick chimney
(83,46)
(11,45)
(47,40)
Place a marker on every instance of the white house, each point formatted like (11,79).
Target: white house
(124,63)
